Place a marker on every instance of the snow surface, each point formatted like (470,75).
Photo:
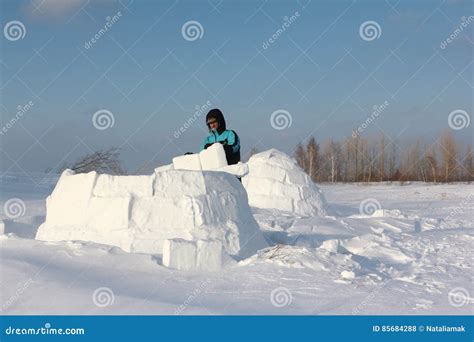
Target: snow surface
(275,181)
(138,213)
(412,259)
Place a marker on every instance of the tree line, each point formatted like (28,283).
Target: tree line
(353,159)
(359,159)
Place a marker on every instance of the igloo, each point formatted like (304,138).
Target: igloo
(142,213)
(275,181)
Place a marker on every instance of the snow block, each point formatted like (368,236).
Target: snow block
(179,254)
(164,168)
(213,157)
(107,214)
(70,198)
(271,202)
(139,213)
(202,255)
(187,162)
(209,255)
(210,159)
(168,184)
(151,220)
(275,181)
(112,186)
(238,170)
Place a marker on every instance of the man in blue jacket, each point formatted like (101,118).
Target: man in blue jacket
(220,134)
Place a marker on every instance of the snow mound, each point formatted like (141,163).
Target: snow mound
(275,181)
(138,213)
(375,247)
(395,213)
(297,257)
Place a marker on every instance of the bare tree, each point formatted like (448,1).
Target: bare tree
(351,156)
(382,159)
(392,161)
(469,164)
(449,153)
(301,158)
(371,161)
(332,161)
(431,163)
(360,159)
(104,161)
(312,151)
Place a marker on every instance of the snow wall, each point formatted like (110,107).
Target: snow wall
(275,181)
(138,213)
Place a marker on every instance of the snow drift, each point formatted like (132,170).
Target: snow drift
(139,213)
(275,181)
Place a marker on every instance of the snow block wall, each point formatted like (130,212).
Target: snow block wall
(138,213)
(275,181)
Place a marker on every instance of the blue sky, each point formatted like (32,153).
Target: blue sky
(320,70)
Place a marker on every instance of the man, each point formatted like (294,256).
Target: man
(220,134)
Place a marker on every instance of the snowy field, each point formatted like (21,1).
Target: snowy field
(414,256)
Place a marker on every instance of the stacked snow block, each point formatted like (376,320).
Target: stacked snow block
(138,213)
(203,255)
(213,158)
(210,159)
(275,181)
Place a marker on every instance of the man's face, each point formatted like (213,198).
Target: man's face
(213,124)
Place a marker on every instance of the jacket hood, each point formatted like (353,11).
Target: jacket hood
(217,114)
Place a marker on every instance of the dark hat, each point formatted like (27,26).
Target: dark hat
(217,115)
